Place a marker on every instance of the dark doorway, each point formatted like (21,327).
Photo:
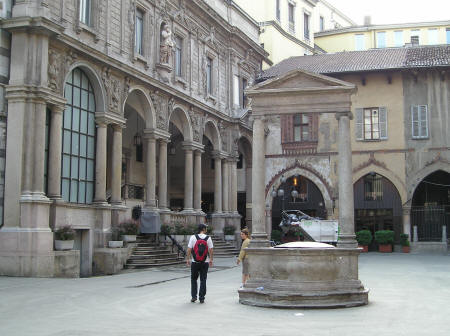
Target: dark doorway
(430,207)
(377,205)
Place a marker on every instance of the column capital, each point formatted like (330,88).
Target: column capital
(109,118)
(348,114)
(57,108)
(157,133)
(193,146)
(118,127)
(218,154)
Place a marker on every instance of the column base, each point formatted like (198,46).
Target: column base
(347,241)
(218,223)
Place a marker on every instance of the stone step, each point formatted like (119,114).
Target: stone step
(154,265)
(150,261)
(150,256)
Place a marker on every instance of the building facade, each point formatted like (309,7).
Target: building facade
(357,38)
(114,104)
(288,26)
(400,154)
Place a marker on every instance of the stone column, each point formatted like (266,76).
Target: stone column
(150,171)
(162,190)
(345,185)
(233,206)
(100,164)
(188,179)
(407,221)
(38,150)
(248,197)
(259,234)
(198,181)
(116,169)
(217,184)
(54,153)
(225,186)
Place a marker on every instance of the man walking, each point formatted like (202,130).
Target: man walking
(200,257)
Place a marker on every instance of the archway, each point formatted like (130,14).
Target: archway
(180,135)
(377,204)
(296,192)
(430,206)
(138,113)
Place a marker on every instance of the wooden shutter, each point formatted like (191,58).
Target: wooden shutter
(383,123)
(314,129)
(415,121)
(423,121)
(287,128)
(359,124)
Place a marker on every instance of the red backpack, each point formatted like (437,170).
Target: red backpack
(200,250)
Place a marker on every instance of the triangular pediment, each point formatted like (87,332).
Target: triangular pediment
(301,79)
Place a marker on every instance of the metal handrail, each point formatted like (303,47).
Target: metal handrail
(180,248)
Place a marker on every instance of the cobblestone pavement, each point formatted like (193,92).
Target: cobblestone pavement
(409,295)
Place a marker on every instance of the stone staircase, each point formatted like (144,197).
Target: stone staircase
(223,249)
(151,254)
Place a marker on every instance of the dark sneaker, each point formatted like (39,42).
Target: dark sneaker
(193,299)
(202,300)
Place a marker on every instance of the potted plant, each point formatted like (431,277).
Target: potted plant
(404,241)
(64,238)
(115,241)
(229,231)
(384,238)
(276,236)
(180,232)
(364,238)
(129,230)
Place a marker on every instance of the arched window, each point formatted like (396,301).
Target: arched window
(78,140)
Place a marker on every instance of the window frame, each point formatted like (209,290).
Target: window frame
(360,124)
(398,38)
(321,23)
(301,125)
(433,34)
(378,40)
(362,41)
(209,75)
(139,51)
(277,10)
(85,12)
(178,57)
(447,35)
(419,122)
(291,17)
(376,187)
(306,26)
(71,133)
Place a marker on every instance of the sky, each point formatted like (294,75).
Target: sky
(394,11)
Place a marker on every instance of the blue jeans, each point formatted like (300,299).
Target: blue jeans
(199,268)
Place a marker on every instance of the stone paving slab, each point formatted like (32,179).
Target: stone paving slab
(409,295)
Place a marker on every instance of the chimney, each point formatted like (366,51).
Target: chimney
(367,20)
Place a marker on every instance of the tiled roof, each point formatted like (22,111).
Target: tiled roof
(360,61)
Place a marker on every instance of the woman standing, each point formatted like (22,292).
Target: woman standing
(243,255)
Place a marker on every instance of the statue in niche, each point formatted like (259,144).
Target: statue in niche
(167,44)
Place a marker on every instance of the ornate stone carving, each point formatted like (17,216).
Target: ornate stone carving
(161,117)
(54,70)
(197,123)
(112,88)
(223,134)
(69,60)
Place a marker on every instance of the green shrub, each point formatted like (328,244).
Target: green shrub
(384,237)
(65,233)
(128,228)
(209,229)
(276,235)
(404,241)
(192,229)
(180,229)
(229,230)
(166,229)
(364,237)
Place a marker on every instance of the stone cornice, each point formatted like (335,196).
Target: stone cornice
(289,91)
(27,92)
(157,133)
(110,118)
(38,24)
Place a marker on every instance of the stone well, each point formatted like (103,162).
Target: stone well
(303,278)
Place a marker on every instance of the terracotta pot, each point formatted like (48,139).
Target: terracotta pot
(406,249)
(365,248)
(385,248)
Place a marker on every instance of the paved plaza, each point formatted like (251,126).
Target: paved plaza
(409,295)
